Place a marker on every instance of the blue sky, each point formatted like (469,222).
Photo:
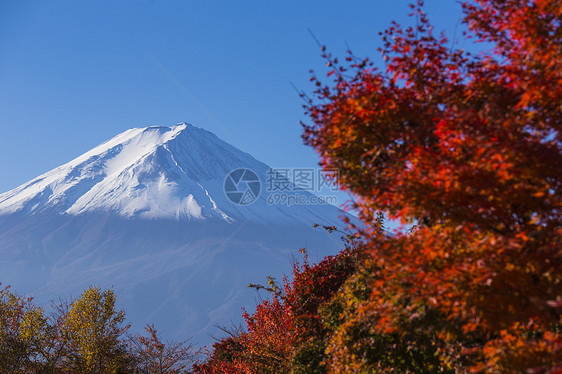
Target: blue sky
(75,73)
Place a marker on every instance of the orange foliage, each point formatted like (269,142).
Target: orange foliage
(468,148)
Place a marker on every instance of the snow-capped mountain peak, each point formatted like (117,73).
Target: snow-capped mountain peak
(153,172)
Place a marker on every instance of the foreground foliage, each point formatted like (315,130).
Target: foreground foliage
(86,335)
(467,151)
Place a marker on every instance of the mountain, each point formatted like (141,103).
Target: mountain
(155,172)
(177,221)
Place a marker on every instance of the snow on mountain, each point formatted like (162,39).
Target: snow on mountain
(154,172)
(146,213)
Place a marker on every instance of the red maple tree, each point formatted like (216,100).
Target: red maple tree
(468,149)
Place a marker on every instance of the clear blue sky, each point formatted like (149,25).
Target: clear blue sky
(75,73)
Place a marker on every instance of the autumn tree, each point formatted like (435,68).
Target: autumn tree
(312,287)
(22,329)
(286,333)
(227,355)
(154,356)
(94,329)
(83,335)
(468,149)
